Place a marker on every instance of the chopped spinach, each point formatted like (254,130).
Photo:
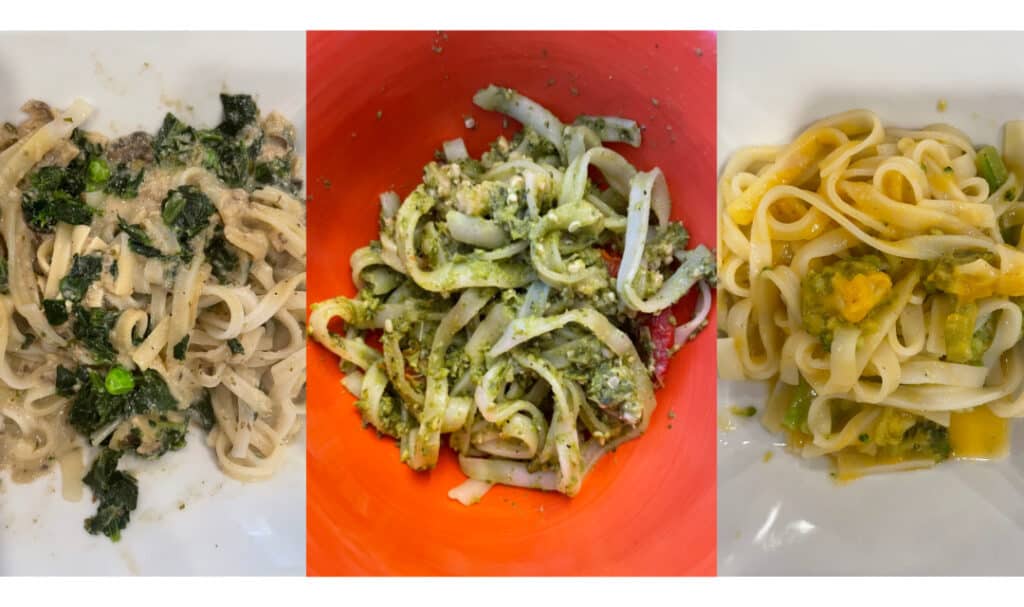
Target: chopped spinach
(53,196)
(95,408)
(239,111)
(236,346)
(175,141)
(187,211)
(68,380)
(92,328)
(138,240)
(85,269)
(4,286)
(221,255)
(56,311)
(117,493)
(123,183)
(202,411)
(181,348)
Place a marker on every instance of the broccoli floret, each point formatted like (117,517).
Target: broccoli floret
(824,309)
(117,493)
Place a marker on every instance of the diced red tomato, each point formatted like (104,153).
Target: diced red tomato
(662,339)
(612,259)
(372,339)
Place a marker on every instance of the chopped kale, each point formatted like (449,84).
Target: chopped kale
(85,269)
(236,346)
(92,328)
(117,493)
(181,348)
(138,240)
(202,411)
(56,311)
(239,111)
(123,183)
(221,255)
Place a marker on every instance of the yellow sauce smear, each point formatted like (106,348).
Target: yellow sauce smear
(979,434)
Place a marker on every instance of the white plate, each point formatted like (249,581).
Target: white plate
(786,516)
(191,519)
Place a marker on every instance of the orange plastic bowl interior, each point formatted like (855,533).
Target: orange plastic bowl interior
(379,105)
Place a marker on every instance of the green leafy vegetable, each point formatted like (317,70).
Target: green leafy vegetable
(95,408)
(187,211)
(181,348)
(4,287)
(239,111)
(85,269)
(202,411)
(117,493)
(92,328)
(236,346)
(53,196)
(138,240)
(152,434)
(175,141)
(221,255)
(56,311)
(123,183)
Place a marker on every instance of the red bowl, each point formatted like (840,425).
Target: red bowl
(379,104)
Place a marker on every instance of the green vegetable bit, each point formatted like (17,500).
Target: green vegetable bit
(743,411)
(119,381)
(795,417)
(56,311)
(117,493)
(181,348)
(990,167)
(85,269)
(97,174)
(236,346)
